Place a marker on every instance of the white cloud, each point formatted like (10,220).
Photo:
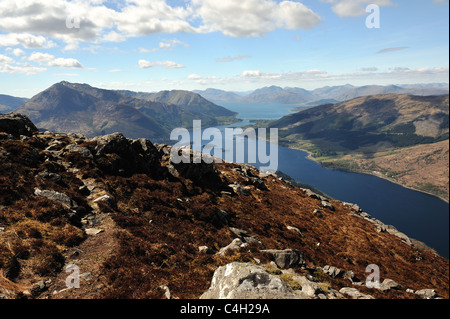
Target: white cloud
(194,77)
(40,57)
(144,64)
(355,8)
(51,60)
(387,50)
(65,63)
(369,69)
(5,59)
(9,65)
(143,17)
(113,36)
(253,18)
(26,69)
(206,80)
(143,50)
(26,40)
(18,52)
(35,24)
(170,44)
(254,73)
(320,78)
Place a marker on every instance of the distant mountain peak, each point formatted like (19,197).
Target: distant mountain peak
(82,108)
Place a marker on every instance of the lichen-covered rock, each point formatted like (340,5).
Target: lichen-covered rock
(244,235)
(332,271)
(427,294)
(389,284)
(112,143)
(310,288)
(354,293)
(247,281)
(55,196)
(286,258)
(83,151)
(234,245)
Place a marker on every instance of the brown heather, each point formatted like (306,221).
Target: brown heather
(152,233)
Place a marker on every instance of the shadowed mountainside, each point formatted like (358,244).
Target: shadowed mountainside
(80,108)
(9,103)
(185,99)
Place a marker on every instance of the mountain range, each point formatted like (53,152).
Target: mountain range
(363,133)
(81,108)
(334,94)
(185,99)
(394,119)
(9,103)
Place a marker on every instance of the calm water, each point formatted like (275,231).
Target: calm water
(255,111)
(420,216)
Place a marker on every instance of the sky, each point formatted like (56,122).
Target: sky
(234,45)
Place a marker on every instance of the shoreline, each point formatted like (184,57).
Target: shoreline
(310,157)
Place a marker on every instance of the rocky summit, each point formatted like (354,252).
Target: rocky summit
(113,217)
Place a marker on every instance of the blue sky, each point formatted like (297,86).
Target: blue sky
(237,45)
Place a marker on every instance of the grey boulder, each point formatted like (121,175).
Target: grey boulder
(246,281)
(286,258)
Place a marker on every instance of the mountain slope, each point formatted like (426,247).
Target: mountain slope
(383,120)
(12,101)
(63,108)
(423,167)
(80,108)
(167,114)
(329,92)
(5,108)
(187,100)
(218,96)
(9,103)
(338,134)
(275,94)
(191,102)
(139,226)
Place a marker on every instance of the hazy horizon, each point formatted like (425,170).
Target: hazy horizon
(243,93)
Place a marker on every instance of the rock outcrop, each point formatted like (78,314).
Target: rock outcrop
(354,293)
(57,197)
(285,258)
(246,281)
(17,124)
